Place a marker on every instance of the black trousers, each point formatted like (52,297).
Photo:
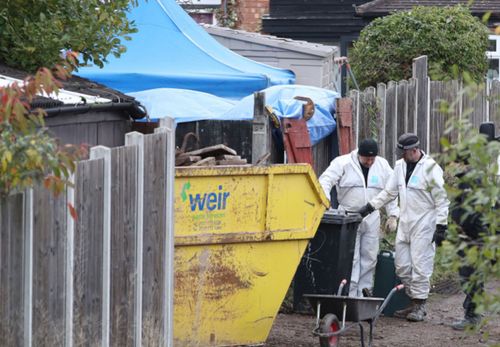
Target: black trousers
(465,272)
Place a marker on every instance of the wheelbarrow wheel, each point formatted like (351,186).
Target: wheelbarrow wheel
(329,324)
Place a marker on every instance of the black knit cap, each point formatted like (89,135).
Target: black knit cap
(368,148)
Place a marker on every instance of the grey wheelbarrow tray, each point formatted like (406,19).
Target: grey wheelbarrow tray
(331,308)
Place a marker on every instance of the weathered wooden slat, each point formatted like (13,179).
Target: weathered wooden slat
(168,127)
(495,105)
(228,157)
(402,108)
(49,267)
(368,114)
(123,244)
(11,270)
(208,161)
(355,96)
(390,125)
(323,153)
(155,155)
(411,121)
(212,151)
(382,102)
(437,117)
(88,257)
(186,160)
(261,130)
(422,99)
(451,94)
(231,162)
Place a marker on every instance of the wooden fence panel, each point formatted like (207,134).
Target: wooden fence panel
(474,105)
(414,106)
(12,239)
(437,117)
(49,267)
(322,154)
(155,156)
(368,114)
(422,100)
(411,121)
(88,256)
(402,108)
(391,122)
(382,102)
(494,105)
(123,245)
(478,114)
(363,120)
(355,96)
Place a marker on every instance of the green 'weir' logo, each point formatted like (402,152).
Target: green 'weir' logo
(185,187)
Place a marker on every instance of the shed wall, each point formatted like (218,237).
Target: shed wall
(309,69)
(92,128)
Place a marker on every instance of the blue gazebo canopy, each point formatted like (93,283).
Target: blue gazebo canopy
(170,50)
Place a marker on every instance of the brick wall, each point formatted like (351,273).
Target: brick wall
(250,13)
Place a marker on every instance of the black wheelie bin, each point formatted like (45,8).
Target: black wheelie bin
(327,259)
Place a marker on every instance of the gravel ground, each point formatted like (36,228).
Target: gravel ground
(442,309)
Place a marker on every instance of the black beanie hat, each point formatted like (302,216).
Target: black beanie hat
(368,148)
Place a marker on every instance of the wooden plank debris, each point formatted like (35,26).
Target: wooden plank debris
(213,151)
(209,156)
(186,160)
(208,161)
(232,162)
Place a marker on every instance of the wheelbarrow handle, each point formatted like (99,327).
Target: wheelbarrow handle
(341,286)
(386,301)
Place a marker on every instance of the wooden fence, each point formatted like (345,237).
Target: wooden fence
(415,105)
(106,277)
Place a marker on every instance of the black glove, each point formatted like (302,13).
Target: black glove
(439,234)
(366,210)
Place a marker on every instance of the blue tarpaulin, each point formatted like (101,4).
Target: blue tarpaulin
(170,50)
(187,106)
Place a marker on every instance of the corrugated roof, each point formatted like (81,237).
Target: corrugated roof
(75,85)
(382,7)
(272,41)
(77,95)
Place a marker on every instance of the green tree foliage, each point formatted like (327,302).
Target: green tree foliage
(451,37)
(28,154)
(33,32)
(482,197)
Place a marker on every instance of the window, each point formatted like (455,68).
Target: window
(494,57)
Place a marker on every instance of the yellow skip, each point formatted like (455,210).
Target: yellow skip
(240,233)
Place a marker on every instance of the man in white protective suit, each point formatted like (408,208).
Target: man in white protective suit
(418,180)
(358,177)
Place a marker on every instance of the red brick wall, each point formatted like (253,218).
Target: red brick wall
(250,13)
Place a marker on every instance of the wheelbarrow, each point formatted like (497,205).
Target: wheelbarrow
(329,308)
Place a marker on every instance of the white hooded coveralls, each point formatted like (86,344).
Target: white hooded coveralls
(345,173)
(423,204)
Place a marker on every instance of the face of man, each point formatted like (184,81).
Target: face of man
(366,161)
(411,155)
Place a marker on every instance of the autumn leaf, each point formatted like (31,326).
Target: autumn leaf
(72,211)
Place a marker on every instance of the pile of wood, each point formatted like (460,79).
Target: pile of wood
(209,156)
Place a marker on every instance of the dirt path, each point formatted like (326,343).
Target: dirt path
(295,330)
